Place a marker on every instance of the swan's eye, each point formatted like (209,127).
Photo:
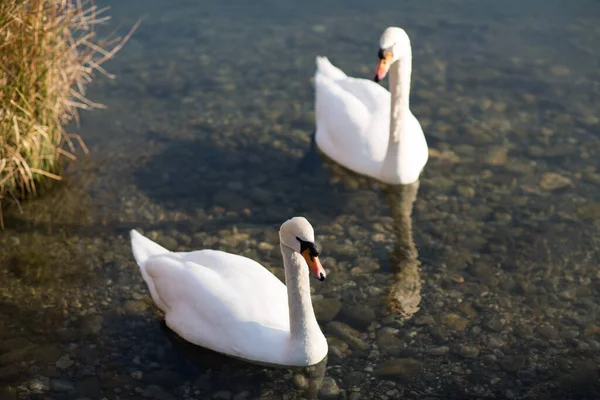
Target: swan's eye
(385,55)
(313,249)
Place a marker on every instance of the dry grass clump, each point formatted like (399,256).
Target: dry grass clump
(48,54)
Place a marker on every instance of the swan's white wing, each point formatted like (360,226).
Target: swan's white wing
(239,286)
(230,304)
(347,130)
(374,96)
(227,313)
(325,67)
(339,112)
(200,308)
(263,295)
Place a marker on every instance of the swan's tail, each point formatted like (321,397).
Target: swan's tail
(325,67)
(144,248)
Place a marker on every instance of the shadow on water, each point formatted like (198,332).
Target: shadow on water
(256,181)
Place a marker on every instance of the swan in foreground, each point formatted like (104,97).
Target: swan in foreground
(354,125)
(235,306)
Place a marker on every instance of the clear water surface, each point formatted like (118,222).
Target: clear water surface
(493,291)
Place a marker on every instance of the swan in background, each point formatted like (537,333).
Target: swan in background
(233,305)
(365,128)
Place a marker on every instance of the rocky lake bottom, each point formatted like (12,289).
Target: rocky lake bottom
(479,282)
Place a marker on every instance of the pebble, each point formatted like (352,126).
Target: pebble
(548,332)
(402,369)
(524,331)
(64,362)
(513,363)
(495,343)
(264,246)
(494,324)
(468,351)
(91,324)
(466,191)
(337,347)
(168,242)
(300,381)
(497,156)
(439,351)
(552,181)
(351,336)
(326,309)
(438,333)
(360,316)
(354,378)
(222,394)
(594,344)
(137,375)
(559,70)
(569,334)
(591,330)
(583,346)
(38,385)
(454,322)
(425,320)
(329,389)
(135,307)
(61,385)
(388,342)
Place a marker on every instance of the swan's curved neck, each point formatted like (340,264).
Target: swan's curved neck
(399,81)
(303,322)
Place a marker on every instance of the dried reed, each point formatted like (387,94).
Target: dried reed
(48,54)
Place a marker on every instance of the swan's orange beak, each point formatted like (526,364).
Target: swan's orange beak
(385,60)
(314,265)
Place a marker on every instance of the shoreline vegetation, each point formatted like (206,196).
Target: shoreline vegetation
(49,53)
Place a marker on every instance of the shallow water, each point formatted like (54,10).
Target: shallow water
(489,289)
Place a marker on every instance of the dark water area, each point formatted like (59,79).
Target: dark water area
(479,282)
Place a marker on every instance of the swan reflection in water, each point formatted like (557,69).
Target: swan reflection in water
(404,295)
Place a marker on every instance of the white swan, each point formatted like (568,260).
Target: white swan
(233,305)
(354,125)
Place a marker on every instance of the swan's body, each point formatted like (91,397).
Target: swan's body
(233,305)
(366,128)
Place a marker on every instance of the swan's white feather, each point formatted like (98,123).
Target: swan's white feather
(221,301)
(350,128)
(353,126)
